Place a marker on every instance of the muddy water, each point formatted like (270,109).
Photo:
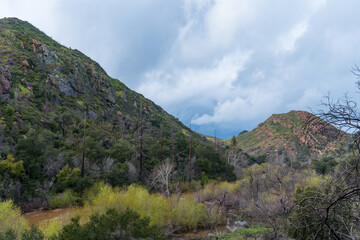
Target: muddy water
(34,218)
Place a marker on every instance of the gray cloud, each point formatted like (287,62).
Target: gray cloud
(221,64)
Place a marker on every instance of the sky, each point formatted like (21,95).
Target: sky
(221,65)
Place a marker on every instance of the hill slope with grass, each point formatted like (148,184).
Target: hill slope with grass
(293,136)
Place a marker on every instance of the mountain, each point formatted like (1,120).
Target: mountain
(293,136)
(55,100)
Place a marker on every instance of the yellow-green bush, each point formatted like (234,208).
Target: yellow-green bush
(11,219)
(154,206)
(51,228)
(185,212)
(136,198)
(90,193)
(214,190)
(66,199)
(188,214)
(106,198)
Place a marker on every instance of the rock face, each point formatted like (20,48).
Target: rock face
(294,136)
(4,85)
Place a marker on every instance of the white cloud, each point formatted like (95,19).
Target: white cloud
(199,85)
(211,28)
(262,99)
(309,96)
(317,4)
(286,42)
(225,19)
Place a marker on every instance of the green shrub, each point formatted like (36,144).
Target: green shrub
(32,234)
(12,168)
(118,175)
(112,225)
(8,235)
(66,178)
(324,166)
(66,199)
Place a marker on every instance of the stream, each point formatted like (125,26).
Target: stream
(35,218)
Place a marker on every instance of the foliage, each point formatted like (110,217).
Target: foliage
(211,165)
(66,178)
(51,228)
(12,168)
(325,165)
(136,198)
(90,193)
(31,151)
(11,219)
(122,150)
(118,175)
(323,213)
(214,190)
(111,225)
(66,199)
(188,214)
(8,235)
(32,234)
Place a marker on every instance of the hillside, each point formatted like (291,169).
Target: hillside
(55,100)
(293,136)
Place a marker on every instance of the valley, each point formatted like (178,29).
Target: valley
(84,156)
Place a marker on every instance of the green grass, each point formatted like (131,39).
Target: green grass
(246,233)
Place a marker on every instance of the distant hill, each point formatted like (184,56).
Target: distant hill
(293,136)
(242,132)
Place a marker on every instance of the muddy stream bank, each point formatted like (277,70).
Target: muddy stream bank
(36,217)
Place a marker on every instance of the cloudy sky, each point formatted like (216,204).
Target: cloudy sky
(219,64)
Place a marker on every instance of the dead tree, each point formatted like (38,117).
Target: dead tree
(83,152)
(189,163)
(141,160)
(162,175)
(172,147)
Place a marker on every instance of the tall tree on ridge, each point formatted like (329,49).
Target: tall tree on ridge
(141,160)
(189,164)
